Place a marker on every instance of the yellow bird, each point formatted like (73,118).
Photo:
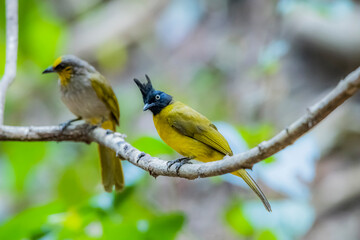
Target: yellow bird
(189,133)
(90,97)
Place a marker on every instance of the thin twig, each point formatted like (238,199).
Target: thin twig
(344,90)
(11,52)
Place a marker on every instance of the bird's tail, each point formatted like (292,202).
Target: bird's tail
(252,184)
(111,169)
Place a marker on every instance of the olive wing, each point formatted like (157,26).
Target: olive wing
(106,94)
(192,124)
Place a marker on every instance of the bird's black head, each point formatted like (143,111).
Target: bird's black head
(154,100)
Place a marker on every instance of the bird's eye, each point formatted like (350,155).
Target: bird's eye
(60,66)
(157,97)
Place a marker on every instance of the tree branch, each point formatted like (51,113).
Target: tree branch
(344,90)
(11,52)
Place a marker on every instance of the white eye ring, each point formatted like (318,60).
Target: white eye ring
(157,97)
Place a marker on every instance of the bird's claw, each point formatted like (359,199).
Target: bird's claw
(180,162)
(108,131)
(92,127)
(64,125)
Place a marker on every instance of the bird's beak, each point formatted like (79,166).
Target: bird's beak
(49,70)
(148,105)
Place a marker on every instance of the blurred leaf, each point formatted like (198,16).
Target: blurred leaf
(79,180)
(28,223)
(40,32)
(270,159)
(269,59)
(72,225)
(123,196)
(127,230)
(270,68)
(266,235)
(165,226)
(70,187)
(23,157)
(254,135)
(135,208)
(152,146)
(236,219)
(73,220)
(134,218)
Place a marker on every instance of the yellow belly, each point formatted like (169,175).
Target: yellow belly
(186,146)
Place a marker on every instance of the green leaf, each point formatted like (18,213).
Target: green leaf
(28,223)
(40,32)
(166,226)
(134,218)
(236,218)
(153,146)
(270,159)
(70,187)
(122,230)
(266,235)
(78,181)
(23,156)
(254,135)
(123,196)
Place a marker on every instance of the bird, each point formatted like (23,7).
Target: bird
(89,96)
(189,133)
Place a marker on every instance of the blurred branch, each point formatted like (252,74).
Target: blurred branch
(344,90)
(11,52)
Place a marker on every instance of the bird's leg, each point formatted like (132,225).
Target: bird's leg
(97,125)
(108,131)
(64,125)
(180,162)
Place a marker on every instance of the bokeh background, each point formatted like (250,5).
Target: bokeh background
(251,66)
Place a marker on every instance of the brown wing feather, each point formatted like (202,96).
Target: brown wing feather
(190,123)
(106,94)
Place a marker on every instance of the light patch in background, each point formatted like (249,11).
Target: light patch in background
(142,225)
(288,219)
(273,52)
(342,8)
(294,168)
(7,181)
(177,21)
(290,174)
(237,145)
(103,201)
(94,229)
(332,9)
(132,173)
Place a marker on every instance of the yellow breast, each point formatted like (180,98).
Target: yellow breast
(186,146)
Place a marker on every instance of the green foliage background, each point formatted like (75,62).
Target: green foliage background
(52,190)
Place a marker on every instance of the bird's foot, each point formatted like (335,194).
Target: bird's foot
(108,131)
(92,127)
(66,124)
(179,163)
(98,125)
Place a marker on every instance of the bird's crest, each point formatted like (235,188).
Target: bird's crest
(145,88)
